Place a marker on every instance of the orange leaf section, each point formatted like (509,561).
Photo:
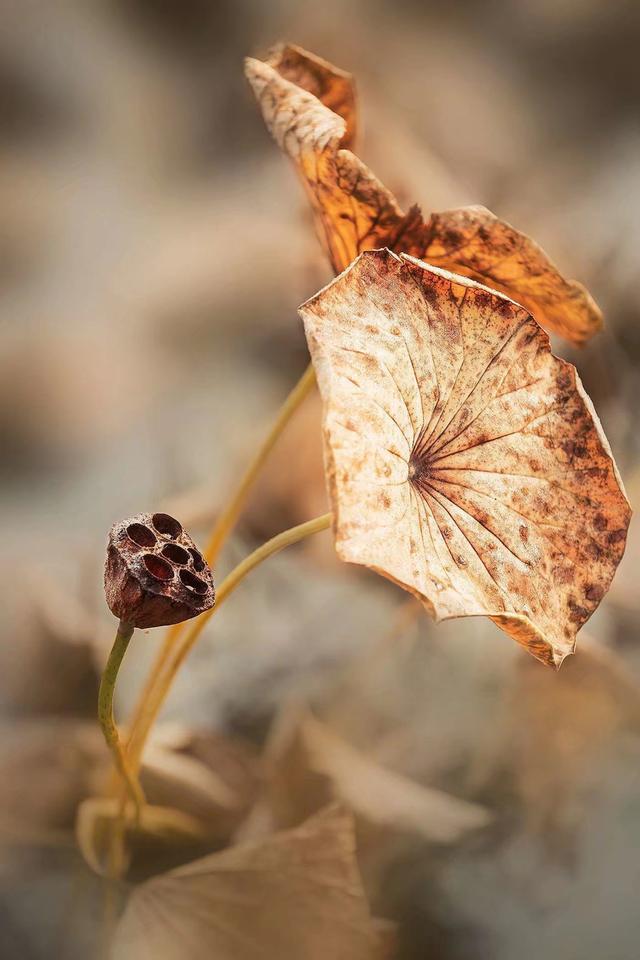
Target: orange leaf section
(465,462)
(309,107)
(330,85)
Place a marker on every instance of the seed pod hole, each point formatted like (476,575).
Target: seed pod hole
(198,559)
(141,535)
(166,525)
(192,582)
(175,553)
(157,567)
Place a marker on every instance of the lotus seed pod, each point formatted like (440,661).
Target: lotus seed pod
(154,573)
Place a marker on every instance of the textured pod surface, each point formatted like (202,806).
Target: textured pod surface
(154,573)
(464,461)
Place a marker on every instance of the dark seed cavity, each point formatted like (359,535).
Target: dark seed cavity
(175,553)
(166,525)
(141,535)
(193,583)
(157,567)
(198,559)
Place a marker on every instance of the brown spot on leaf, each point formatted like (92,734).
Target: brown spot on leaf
(594,592)
(600,522)
(617,536)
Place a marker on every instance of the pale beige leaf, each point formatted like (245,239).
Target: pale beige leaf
(47,767)
(308,765)
(97,816)
(554,744)
(383,797)
(465,462)
(297,894)
(175,773)
(354,212)
(203,775)
(559,732)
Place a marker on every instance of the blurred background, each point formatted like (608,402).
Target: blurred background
(154,246)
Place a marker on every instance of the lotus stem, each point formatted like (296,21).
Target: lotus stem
(229,517)
(105,713)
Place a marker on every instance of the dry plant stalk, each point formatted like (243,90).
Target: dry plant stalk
(464,461)
(309,108)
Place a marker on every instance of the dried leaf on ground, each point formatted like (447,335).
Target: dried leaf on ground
(465,462)
(553,743)
(98,818)
(53,627)
(296,894)
(354,212)
(47,767)
(308,765)
(559,731)
(199,787)
(203,774)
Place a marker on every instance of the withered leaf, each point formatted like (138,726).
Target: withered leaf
(97,816)
(558,733)
(556,740)
(47,767)
(352,209)
(205,775)
(354,212)
(464,461)
(170,778)
(296,894)
(309,764)
(330,85)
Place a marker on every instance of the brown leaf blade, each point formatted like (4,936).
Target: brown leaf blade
(353,211)
(464,461)
(312,120)
(329,84)
(475,243)
(295,894)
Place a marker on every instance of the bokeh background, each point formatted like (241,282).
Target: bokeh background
(153,249)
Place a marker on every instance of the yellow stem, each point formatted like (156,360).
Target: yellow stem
(185,645)
(229,516)
(225,523)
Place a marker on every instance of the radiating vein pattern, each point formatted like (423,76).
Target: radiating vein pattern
(464,460)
